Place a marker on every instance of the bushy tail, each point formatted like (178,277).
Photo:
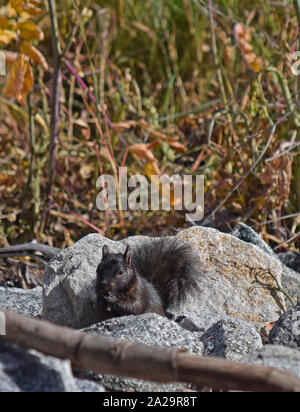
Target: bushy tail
(170,266)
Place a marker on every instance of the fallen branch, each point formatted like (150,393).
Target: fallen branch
(111,356)
(30,249)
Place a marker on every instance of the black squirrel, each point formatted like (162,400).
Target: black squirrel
(151,277)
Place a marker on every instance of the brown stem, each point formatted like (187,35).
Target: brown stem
(107,355)
(55,96)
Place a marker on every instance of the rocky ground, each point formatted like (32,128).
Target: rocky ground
(245,288)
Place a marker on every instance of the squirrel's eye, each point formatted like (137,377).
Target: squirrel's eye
(121,272)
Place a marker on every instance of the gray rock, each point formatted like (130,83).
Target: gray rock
(195,322)
(26,302)
(291,260)
(150,329)
(221,335)
(247,234)
(286,332)
(88,385)
(69,282)
(291,284)
(275,356)
(235,278)
(30,371)
(231,339)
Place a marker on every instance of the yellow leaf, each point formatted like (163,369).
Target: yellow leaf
(6,36)
(16,5)
(20,80)
(40,120)
(149,170)
(32,10)
(36,2)
(28,83)
(28,30)
(4,23)
(34,54)
(15,82)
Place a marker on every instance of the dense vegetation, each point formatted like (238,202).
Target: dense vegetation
(173,86)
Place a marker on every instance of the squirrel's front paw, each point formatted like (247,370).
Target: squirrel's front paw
(110,300)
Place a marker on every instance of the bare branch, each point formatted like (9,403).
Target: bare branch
(107,355)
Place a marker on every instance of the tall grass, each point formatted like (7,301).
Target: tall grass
(163,69)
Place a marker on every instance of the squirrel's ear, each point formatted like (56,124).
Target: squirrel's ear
(105,251)
(127,256)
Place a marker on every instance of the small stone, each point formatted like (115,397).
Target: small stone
(286,332)
(247,234)
(231,339)
(291,260)
(221,335)
(291,284)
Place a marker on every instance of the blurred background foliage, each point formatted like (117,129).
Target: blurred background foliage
(158,86)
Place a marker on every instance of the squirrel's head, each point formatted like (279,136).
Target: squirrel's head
(114,271)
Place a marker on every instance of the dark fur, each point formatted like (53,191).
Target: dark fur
(154,275)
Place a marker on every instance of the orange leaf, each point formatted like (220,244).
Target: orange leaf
(20,80)
(15,82)
(28,30)
(34,54)
(141,150)
(28,83)
(178,147)
(270,326)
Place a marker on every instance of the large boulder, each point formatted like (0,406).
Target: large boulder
(23,370)
(149,329)
(234,277)
(26,302)
(290,262)
(30,371)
